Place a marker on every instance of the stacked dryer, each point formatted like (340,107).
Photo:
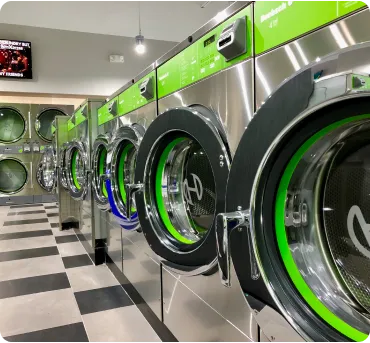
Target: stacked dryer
(25,133)
(298,187)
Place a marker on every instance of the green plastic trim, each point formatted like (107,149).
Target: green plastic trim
(102,160)
(73,170)
(121,174)
(283,243)
(159,196)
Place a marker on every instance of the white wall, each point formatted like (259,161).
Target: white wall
(66,62)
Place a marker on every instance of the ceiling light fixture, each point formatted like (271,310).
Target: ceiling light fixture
(139,39)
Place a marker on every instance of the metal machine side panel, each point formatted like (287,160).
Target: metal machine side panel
(189,318)
(143,116)
(230,302)
(228,93)
(273,68)
(143,273)
(114,243)
(86,225)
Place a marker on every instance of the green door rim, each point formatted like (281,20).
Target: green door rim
(282,239)
(159,196)
(101,162)
(121,174)
(73,169)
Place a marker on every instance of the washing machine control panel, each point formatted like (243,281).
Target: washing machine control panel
(146,88)
(233,39)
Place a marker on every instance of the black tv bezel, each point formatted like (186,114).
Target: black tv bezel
(31,70)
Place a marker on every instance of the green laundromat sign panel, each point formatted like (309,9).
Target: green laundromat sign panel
(108,111)
(79,117)
(53,129)
(276,22)
(70,125)
(131,99)
(200,59)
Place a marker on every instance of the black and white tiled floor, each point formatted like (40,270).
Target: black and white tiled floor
(51,291)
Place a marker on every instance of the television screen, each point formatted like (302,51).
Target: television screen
(15,59)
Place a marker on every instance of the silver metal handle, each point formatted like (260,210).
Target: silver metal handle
(226,223)
(131,189)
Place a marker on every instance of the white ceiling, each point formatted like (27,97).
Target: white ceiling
(161,20)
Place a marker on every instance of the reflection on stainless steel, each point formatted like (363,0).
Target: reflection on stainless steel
(301,53)
(338,36)
(292,58)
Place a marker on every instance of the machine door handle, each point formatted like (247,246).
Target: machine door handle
(226,223)
(131,189)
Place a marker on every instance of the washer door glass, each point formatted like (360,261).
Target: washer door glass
(48,171)
(322,220)
(13,176)
(126,161)
(100,165)
(185,191)
(78,169)
(44,122)
(12,125)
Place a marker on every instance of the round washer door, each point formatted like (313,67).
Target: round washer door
(44,121)
(13,176)
(183,164)
(12,125)
(122,154)
(46,171)
(306,185)
(99,167)
(77,170)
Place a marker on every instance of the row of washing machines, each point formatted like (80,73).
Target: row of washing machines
(24,138)
(241,161)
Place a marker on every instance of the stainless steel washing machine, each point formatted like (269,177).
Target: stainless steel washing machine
(297,187)
(137,108)
(42,117)
(82,130)
(205,101)
(69,213)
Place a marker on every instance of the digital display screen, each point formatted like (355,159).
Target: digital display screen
(15,59)
(209,41)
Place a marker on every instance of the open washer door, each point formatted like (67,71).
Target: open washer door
(77,170)
(299,186)
(99,167)
(181,173)
(63,166)
(122,154)
(47,171)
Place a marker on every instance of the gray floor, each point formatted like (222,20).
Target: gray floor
(51,291)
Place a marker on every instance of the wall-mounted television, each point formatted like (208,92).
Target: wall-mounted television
(15,59)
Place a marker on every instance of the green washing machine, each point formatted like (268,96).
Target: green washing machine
(296,227)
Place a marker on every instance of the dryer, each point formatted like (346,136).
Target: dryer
(297,186)
(205,101)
